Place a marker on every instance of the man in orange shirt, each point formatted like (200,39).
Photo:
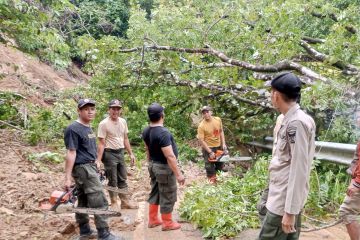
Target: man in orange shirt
(211,136)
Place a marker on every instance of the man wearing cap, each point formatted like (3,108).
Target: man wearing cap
(211,136)
(350,209)
(80,142)
(161,151)
(113,139)
(291,162)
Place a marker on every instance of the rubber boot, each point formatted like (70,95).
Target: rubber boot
(114,203)
(105,234)
(126,203)
(86,232)
(153,216)
(168,224)
(212,179)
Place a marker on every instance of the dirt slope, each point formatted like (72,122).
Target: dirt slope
(26,75)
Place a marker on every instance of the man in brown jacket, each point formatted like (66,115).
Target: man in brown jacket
(291,163)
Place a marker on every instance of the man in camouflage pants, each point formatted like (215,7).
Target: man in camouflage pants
(80,142)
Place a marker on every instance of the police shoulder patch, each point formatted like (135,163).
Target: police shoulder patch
(291,133)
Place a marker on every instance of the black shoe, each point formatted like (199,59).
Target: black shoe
(104,234)
(86,232)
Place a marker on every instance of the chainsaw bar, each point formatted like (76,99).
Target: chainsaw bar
(70,209)
(227,158)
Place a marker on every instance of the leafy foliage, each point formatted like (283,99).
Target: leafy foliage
(230,206)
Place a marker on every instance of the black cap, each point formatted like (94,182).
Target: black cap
(85,101)
(155,109)
(115,103)
(288,84)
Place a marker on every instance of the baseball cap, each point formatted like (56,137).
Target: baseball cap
(115,103)
(287,83)
(85,101)
(205,108)
(154,109)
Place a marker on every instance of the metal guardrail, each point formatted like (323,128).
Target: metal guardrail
(339,153)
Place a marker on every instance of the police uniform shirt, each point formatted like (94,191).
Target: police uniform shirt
(291,164)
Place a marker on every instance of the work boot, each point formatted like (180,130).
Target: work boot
(114,203)
(168,224)
(126,203)
(153,216)
(86,232)
(104,234)
(212,179)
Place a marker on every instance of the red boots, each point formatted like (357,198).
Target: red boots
(168,223)
(153,216)
(212,179)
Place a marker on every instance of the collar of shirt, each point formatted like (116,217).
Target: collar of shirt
(289,113)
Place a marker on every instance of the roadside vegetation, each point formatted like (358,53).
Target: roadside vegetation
(178,53)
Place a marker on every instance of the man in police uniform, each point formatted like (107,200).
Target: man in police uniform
(261,205)
(162,155)
(80,164)
(291,163)
(350,209)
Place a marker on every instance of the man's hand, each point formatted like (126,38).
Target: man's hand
(67,184)
(352,190)
(212,155)
(180,179)
(224,147)
(132,160)
(98,164)
(288,223)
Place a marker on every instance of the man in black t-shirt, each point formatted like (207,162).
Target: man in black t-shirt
(162,156)
(80,142)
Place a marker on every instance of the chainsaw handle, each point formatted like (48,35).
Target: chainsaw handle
(58,201)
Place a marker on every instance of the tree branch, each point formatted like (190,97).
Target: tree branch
(324,58)
(332,16)
(277,67)
(212,25)
(211,65)
(313,40)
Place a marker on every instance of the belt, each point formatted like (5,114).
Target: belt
(88,162)
(113,150)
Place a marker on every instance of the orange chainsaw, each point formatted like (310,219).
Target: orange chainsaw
(223,156)
(64,202)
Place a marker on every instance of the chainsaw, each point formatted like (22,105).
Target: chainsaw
(64,202)
(223,156)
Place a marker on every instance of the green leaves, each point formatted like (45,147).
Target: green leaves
(229,207)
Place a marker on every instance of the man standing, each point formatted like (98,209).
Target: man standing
(291,163)
(162,155)
(350,209)
(211,136)
(261,205)
(113,138)
(80,142)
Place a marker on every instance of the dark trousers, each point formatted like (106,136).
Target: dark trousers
(212,167)
(115,168)
(163,187)
(90,193)
(272,230)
